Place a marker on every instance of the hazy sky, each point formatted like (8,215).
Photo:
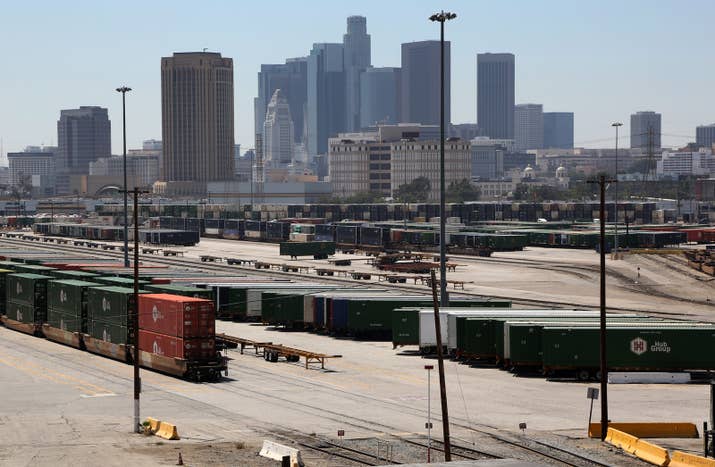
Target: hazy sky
(602,60)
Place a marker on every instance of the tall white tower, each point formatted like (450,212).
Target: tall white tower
(278,132)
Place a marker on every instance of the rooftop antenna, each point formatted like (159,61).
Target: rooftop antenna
(205,49)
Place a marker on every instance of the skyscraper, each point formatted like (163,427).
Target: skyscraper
(197,117)
(529,126)
(705,135)
(641,124)
(278,132)
(379,96)
(495,95)
(83,136)
(356,44)
(558,130)
(325,107)
(420,91)
(291,78)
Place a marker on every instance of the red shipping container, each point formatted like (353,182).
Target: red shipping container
(175,347)
(176,315)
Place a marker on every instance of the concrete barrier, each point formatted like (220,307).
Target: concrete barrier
(682,459)
(167,431)
(652,453)
(153,424)
(622,440)
(649,430)
(277,452)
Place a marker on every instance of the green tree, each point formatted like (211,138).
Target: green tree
(417,191)
(461,191)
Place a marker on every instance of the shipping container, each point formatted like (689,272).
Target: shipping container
(119,281)
(28,289)
(318,250)
(176,289)
(176,315)
(638,348)
(69,298)
(174,347)
(110,304)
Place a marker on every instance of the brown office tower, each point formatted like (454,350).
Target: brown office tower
(197,122)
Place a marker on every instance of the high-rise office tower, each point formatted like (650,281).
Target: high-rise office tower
(325,107)
(420,91)
(529,126)
(379,96)
(558,130)
(705,135)
(356,44)
(291,78)
(278,132)
(495,95)
(197,117)
(83,136)
(643,124)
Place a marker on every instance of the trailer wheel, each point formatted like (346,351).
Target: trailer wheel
(597,375)
(583,375)
(265,355)
(273,357)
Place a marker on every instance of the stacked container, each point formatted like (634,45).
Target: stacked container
(67,304)
(3,274)
(176,326)
(108,312)
(26,297)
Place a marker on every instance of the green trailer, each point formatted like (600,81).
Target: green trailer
(318,250)
(635,348)
(406,321)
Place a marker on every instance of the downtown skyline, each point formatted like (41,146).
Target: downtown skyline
(599,74)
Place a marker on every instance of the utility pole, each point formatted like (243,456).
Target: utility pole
(135,312)
(440,369)
(617,125)
(603,355)
(124,90)
(442,17)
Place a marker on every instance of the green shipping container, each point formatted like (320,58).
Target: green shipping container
(69,297)
(3,279)
(110,305)
(25,313)
(119,281)
(30,289)
(72,274)
(206,294)
(65,321)
(34,269)
(317,249)
(637,348)
(108,332)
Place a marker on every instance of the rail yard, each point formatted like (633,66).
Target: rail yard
(302,348)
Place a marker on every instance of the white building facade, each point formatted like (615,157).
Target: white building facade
(278,132)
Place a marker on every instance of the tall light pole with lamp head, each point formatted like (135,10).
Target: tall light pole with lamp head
(442,17)
(615,242)
(124,90)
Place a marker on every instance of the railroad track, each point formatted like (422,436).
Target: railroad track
(219,267)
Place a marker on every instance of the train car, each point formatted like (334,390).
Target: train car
(234,229)
(214,228)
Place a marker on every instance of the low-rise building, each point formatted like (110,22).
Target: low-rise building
(674,164)
(380,162)
(35,167)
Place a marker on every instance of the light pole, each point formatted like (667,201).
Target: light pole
(442,17)
(124,90)
(615,242)
(428,425)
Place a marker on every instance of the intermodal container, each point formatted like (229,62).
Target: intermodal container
(110,304)
(108,332)
(175,347)
(71,274)
(30,289)
(176,315)
(3,273)
(24,313)
(186,291)
(119,281)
